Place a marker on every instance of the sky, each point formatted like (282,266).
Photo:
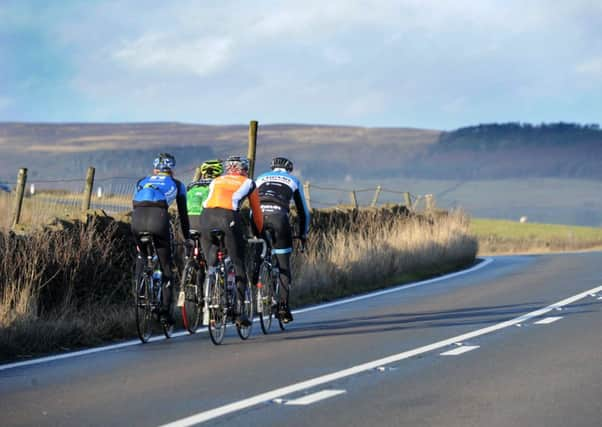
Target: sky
(380,63)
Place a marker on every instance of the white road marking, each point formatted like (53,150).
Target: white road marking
(459,350)
(334,376)
(131,343)
(316,397)
(548,320)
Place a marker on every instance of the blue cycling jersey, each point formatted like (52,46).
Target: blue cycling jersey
(158,190)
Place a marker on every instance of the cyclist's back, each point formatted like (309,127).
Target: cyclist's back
(277,189)
(198,191)
(221,211)
(151,200)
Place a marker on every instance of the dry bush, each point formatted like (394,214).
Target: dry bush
(380,253)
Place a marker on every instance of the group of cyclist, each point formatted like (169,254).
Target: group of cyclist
(214,202)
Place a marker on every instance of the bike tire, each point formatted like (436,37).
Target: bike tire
(144,314)
(192,286)
(244,332)
(217,308)
(265,299)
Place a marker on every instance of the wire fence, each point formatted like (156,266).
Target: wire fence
(38,201)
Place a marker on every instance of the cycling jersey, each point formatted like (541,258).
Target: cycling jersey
(196,195)
(158,190)
(229,191)
(276,190)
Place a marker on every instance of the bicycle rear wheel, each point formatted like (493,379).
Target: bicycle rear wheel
(246,307)
(144,315)
(265,298)
(192,309)
(217,308)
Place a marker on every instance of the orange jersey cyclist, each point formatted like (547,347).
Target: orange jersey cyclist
(221,210)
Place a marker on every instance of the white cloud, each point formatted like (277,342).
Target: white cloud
(201,56)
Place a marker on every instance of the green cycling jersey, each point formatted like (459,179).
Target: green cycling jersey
(196,194)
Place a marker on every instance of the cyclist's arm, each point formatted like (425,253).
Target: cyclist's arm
(182,210)
(302,211)
(256,209)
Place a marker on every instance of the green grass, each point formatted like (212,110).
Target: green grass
(501,236)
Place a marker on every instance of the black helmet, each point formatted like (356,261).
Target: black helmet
(282,163)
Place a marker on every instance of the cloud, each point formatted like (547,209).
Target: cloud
(201,56)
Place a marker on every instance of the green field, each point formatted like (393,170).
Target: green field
(501,236)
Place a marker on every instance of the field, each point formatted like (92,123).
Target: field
(500,236)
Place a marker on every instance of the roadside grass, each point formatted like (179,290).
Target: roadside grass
(69,288)
(501,236)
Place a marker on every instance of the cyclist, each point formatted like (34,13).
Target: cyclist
(276,191)
(152,198)
(197,191)
(222,211)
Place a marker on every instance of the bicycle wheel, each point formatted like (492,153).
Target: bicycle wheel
(217,308)
(246,307)
(144,315)
(265,298)
(192,309)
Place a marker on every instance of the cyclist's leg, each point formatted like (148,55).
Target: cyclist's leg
(235,245)
(283,247)
(209,220)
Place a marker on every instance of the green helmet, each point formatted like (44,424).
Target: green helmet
(211,169)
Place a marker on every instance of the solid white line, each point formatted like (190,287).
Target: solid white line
(459,350)
(334,376)
(315,397)
(131,343)
(548,320)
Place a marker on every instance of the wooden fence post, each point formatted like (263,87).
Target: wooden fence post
(407,200)
(353,199)
(376,196)
(88,189)
(429,203)
(252,147)
(307,195)
(197,174)
(19,193)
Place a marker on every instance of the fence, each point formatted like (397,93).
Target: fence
(39,201)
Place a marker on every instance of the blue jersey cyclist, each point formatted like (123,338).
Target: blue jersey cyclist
(153,196)
(277,189)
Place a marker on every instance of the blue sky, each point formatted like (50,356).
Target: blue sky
(427,64)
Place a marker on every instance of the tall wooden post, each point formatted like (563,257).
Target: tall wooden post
(19,193)
(353,198)
(376,196)
(307,194)
(197,174)
(407,200)
(88,189)
(252,147)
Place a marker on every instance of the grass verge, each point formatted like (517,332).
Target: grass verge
(500,237)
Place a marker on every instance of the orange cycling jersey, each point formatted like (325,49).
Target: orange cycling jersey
(229,191)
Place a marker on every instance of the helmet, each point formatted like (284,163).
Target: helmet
(237,164)
(282,163)
(164,162)
(212,169)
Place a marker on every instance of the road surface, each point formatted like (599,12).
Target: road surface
(515,341)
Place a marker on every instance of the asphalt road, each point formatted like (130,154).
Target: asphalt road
(516,342)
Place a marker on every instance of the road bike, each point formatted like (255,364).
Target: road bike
(269,286)
(222,302)
(149,290)
(191,297)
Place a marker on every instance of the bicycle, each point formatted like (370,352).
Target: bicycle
(269,285)
(191,297)
(149,291)
(222,301)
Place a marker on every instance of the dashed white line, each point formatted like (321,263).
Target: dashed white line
(548,320)
(334,376)
(460,350)
(315,397)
